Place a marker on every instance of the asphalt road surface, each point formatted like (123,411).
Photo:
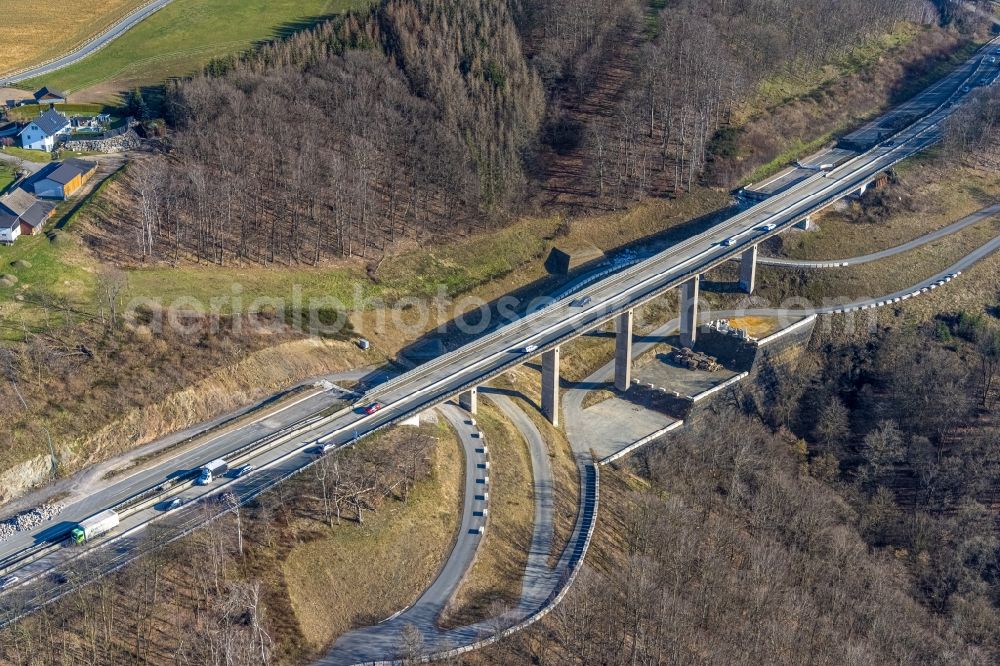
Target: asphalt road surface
(383,641)
(496,351)
(938,234)
(97,43)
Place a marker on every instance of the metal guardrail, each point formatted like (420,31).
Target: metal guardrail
(146,498)
(150,496)
(589,503)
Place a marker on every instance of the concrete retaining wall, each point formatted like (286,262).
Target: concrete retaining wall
(730,350)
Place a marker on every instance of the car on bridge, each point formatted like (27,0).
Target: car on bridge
(9,582)
(173,504)
(770,226)
(581,302)
(243,470)
(321,449)
(529,349)
(729,242)
(372,408)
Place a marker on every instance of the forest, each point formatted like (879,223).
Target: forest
(841,511)
(838,510)
(424,119)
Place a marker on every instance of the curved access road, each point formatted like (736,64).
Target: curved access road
(384,641)
(974,218)
(110,34)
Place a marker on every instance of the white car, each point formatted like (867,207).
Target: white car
(530,348)
(8,582)
(770,226)
(729,242)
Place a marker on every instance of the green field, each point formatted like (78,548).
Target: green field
(6,176)
(29,111)
(458,267)
(182,37)
(28,155)
(41,266)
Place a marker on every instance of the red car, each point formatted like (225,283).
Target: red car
(372,408)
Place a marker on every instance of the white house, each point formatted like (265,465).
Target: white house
(10,227)
(42,132)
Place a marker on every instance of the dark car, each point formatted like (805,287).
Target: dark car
(581,302)
(243,471)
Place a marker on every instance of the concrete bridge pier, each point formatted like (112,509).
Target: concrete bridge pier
(689,311)
(623,350)
(469,400)
(806,224)
(550,385)
(748,269)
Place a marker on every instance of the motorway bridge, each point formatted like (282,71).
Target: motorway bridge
(280,447)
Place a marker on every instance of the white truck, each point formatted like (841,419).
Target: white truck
(96,525)
(211,470)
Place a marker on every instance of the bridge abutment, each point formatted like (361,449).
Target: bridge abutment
(806,224)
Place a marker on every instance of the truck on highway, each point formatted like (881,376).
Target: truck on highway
(210,471)
(96,525)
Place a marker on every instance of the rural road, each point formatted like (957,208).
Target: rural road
(383,641)
(974,218)
(495,352)
(100,41)
(14,161)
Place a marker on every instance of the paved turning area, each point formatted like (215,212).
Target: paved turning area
(612,425)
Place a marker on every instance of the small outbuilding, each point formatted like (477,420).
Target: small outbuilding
(49,96)
(64,179)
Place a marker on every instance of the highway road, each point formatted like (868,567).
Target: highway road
(283,449)
(975,70)
(100,41)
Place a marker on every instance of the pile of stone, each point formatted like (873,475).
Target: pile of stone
(114,144)
(30,519)
(692,360)
(7,530)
